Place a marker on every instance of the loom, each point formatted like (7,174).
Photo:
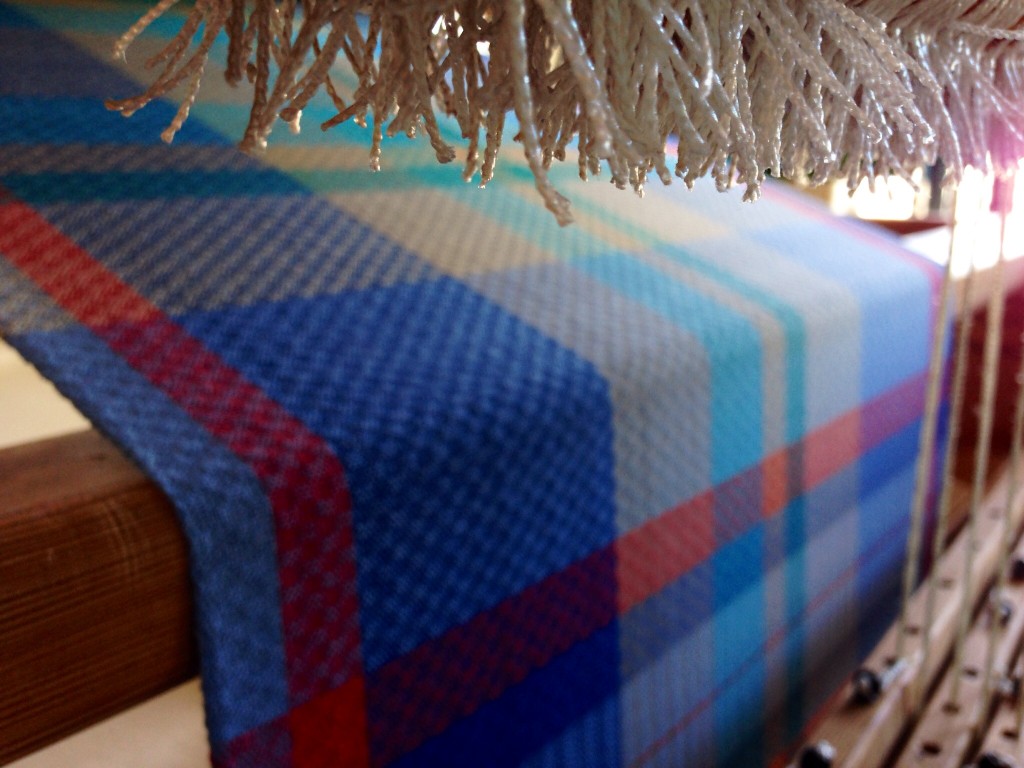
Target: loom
(814,91)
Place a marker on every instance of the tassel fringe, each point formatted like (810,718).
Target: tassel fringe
(815,88)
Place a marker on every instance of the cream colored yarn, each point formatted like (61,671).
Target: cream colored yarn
(814,88)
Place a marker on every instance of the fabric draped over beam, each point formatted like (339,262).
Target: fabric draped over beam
(816,88)
(462,487)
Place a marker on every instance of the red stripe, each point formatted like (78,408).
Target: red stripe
(303,478)
(322,728)
(661,551)
(830,448)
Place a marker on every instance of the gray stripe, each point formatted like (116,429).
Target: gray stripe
(658,375)
(226,251)
(119,158)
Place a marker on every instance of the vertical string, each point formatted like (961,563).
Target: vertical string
(1009,535)
(1014,481)
(926,447)
(952,440)
(990,367)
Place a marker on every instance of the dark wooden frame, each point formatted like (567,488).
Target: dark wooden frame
(95,605)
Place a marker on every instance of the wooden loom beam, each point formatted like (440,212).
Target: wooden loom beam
(95,606)
(866,735)
(949,730)
(1001,738)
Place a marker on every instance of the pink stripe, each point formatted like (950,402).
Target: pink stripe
(894,411)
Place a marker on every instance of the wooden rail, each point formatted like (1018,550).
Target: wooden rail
(882,732)
(95,606)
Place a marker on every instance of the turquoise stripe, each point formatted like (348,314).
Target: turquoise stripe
(109,22)
(740,668)
(790,320)
(731,343)
(429,174)
(230,120)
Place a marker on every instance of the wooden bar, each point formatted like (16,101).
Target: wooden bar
(903,227)
(865,735)
(1002,738)
(95,605)
(949,730)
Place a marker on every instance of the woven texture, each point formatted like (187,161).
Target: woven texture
(463,488)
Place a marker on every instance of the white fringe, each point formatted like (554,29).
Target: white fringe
(814,88)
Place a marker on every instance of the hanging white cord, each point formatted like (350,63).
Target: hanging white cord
(996,627)
(952,439)
(926,448)
(990,368)
(1014,481)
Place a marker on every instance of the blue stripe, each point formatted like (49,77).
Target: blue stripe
(589,740)
(888,461)
(478,452)
(503,733)
(739,604)
(887,483)
(80,187)
(894,298)
(667,617)
(65,119)
(796,600)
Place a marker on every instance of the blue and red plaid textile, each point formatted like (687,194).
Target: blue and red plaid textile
(463,488)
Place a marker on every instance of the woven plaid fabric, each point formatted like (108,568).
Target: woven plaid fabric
(463,488)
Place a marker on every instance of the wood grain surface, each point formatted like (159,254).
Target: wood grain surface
(95,607)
